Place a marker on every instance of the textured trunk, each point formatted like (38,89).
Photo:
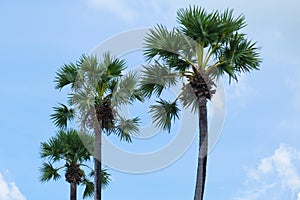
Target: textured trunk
(73,191)
(97,163)
(202,153)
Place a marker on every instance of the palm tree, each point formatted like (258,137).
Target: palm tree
(204,47)
(67,147)
(98,89)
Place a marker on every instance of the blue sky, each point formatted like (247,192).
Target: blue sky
(258,154)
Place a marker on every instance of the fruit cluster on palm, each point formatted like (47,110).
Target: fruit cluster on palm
(204,47)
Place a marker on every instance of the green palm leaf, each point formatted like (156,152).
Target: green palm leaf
(89,188)
(163,113)
(126,90)
(199,25)
(62,115)
(126,128)
(65,145)
(230,24)
(105,178)
(155,78)
(175,49)
(188,98)
(52,149)
(48,172)
(91,73)
(238,55)
(114,65)
(162,42)
(66,75)
(84,101)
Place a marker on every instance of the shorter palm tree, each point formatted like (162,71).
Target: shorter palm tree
(98,88)
(67,146)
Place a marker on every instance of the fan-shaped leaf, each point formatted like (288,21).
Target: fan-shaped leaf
(163,113)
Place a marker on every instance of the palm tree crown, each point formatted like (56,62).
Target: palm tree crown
(98,88)
(67,146)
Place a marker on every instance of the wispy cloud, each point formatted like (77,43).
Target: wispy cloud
(118,7)
(255,193)
(240,92)
(277,174)
(135,9)
(9,190)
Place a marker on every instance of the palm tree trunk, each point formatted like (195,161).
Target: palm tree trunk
(202,153)
(73,191)
(97,163)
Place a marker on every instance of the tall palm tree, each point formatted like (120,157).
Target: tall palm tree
(98,88)
(204,47)
(67,147)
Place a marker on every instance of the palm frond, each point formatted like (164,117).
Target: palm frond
(52,149)
(62,115)
(91,73)
(178,63)
(188,98)
(230,24)
(112,86)
(155,78)
(126,91)
(163,113)
(84,100)
(161,42)
(114,65)
(66,145)
(66,75)
(105,178)
(74,149)
(245,55)
(199,25)
(239,55)
(89,188)
(88,64)
(48,172)
(126,128)
(175,49)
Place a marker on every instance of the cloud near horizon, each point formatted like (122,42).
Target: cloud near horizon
(277,175)
(9,190)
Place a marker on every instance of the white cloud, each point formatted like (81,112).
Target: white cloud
(137,9)
(255,193)
(277,174)
(9,190)
(164,9)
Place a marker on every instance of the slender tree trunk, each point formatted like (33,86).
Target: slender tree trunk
(202,153)
(73,191)
(97,162)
